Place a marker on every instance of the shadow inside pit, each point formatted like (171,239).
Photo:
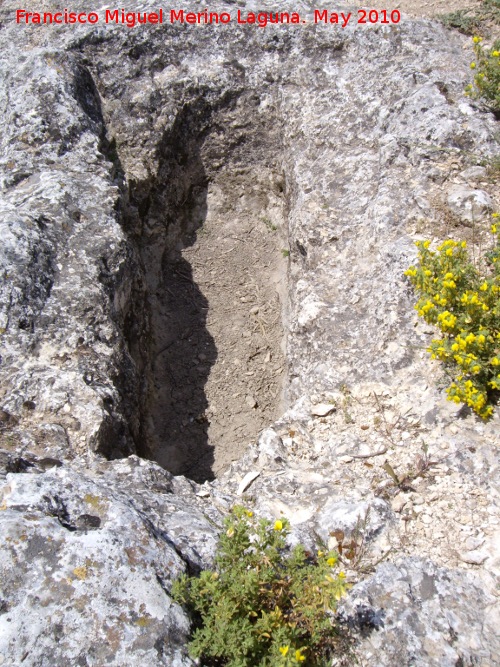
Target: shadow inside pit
(181,366)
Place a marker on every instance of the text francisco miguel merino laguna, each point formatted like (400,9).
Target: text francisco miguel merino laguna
(259,19)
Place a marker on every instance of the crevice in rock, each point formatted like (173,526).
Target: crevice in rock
(204,324)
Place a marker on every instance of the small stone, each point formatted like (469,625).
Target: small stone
(251,402)
(254,310)
(473,173)
(425,518)
(246,481)
(398,503)
(464,519)
(473,557)
(322,409)
(333,543)
(473,543)
(467,203)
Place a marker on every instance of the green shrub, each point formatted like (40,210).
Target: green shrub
(474,20)
(463,301)
(263,605)
(487,74)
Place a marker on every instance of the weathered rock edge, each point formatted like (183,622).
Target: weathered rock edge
(358,122)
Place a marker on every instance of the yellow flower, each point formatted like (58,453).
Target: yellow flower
(426,244)
(473,65)
(476,39)
(447,320)
(495,54)
(449,252)
(494,229)
(298,656)
(249,513)
(331,561)
(284,650)
(278,525)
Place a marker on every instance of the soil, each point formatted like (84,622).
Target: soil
(226,365)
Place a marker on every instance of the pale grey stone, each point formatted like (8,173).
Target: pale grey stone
(421,598)
(469,204)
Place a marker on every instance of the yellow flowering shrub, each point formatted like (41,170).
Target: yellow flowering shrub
(486,67)
(464,303)
(263,605)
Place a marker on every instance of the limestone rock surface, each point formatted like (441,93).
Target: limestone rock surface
(114,142)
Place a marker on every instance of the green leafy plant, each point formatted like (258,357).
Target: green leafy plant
(474,20)
(263,605)
(270,225)
(486,66)
(463,301)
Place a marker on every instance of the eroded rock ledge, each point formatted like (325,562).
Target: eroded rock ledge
(119,149)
